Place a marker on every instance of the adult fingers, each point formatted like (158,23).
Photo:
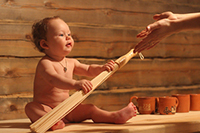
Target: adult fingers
(143,33)
(142,45)
(162,15)
(154,44)
(148,42)
(149,29)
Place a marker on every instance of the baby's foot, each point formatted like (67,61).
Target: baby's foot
(126,113)
(58,125)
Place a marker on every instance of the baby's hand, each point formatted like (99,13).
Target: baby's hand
(109,66)
(84,85)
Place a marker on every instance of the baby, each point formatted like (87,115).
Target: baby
(54,77)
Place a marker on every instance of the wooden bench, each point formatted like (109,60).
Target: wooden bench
(180,122)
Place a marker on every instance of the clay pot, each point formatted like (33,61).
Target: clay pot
(184,103)
(145,105)
(167,105)
(194,102)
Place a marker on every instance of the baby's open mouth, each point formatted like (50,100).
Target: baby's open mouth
(68,44)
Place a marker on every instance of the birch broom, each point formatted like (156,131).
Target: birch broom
(64,108)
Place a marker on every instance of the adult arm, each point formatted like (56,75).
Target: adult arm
(167,23)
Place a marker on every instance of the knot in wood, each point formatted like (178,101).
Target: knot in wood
(13,108)
(49,4)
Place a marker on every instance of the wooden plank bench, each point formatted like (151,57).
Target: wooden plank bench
(180,122)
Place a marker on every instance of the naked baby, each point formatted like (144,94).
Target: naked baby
(54,77)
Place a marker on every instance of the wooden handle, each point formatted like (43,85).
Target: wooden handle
(125,58)
(64,108)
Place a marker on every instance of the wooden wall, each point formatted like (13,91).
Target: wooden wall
(102,30)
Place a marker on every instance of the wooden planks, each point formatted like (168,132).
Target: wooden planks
(102,30)
(140,124)
(131,5)
(12,106)
(110,28)
(13,39)
(116,99)
(17,75)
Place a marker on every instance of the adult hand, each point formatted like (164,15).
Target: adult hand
(156,31)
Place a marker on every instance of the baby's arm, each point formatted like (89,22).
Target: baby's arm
(93,69)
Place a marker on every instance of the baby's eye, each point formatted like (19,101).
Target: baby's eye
(61,35)
(69,34)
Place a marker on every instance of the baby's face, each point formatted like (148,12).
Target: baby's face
(59,37)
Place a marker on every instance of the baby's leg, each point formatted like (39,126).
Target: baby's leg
(123,115)
(35,110)
(88,111)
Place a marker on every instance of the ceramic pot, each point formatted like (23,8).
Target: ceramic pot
(145,105)
(184,103)
(167,105)
(194,102)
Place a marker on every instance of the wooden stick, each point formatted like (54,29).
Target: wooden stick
(64,108)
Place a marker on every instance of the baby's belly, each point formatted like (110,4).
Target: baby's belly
(52,99)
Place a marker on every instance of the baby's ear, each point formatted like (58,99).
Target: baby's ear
(43,44)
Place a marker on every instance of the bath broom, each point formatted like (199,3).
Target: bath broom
(64,108)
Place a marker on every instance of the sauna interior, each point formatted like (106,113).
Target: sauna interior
(103,30)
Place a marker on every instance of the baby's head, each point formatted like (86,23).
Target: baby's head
(39,31)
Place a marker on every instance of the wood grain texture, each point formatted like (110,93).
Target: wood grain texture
(111,43)
(102,30)
(17,75)
(140,124)
(12,106)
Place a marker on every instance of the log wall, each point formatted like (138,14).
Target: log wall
(102,30)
